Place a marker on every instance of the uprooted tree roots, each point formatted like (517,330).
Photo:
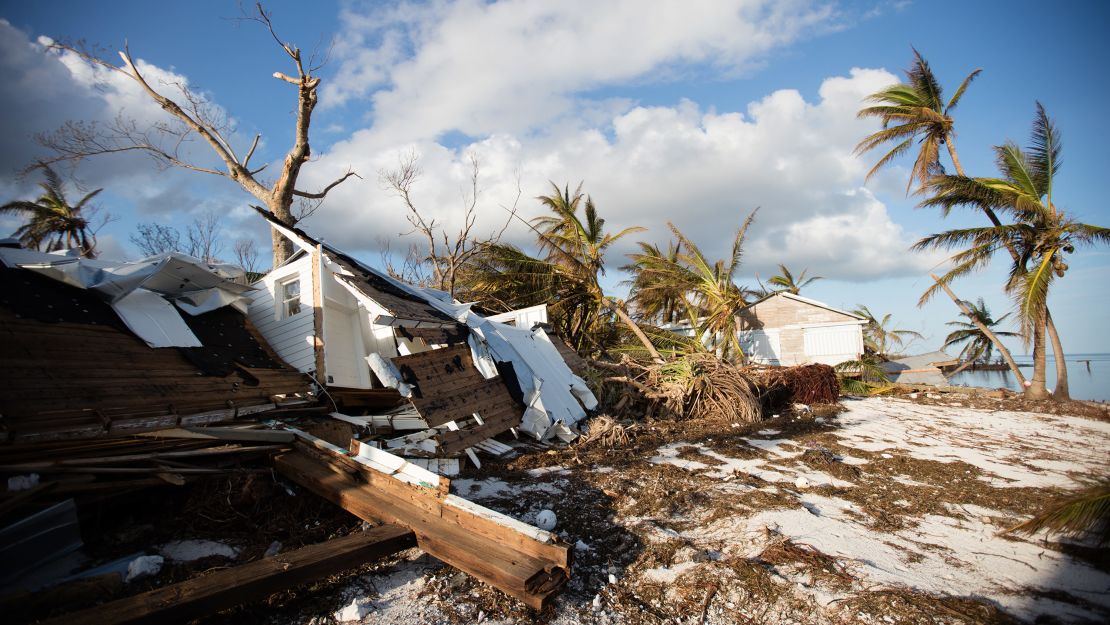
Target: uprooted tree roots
(696,386)
(804,384)
(701,386)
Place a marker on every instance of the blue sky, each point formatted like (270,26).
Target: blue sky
(694,112)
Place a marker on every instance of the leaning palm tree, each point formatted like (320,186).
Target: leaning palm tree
(914,112)
(52,222)
(977,345)
(713,300)
(1039,237)
(878,337)
(787,282)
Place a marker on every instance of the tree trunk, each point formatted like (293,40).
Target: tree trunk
(282,247)
(988,333)
(1061,391)
(965,365)
(619,310)
(1036,388)
(951,145)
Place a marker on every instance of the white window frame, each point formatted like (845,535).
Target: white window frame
(283,301)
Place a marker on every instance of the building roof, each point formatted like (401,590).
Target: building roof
(390,294)
(804,300)
(71,366)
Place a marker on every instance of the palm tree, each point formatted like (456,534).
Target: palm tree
(977,346)
(915,112)
(789,283)
(712,299)
(653,299)
(1040,236)
(566,277)
(52,221)
(878,337)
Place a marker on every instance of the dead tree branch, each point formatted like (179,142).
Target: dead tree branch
(446,253)
(190,115)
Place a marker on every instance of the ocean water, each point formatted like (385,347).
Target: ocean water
(1088,376)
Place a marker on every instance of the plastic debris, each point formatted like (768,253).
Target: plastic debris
(352,613)
(23,482)
(143,566)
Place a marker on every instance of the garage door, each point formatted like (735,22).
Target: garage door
(761,346)
(833,345)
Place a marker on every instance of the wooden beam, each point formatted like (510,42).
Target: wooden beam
(227,434)
(208,594)
(471,539)
(318,315)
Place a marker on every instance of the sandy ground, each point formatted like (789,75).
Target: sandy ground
(888,512)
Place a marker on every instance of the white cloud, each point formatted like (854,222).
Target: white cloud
(44,89)
(702,170)
(480,67)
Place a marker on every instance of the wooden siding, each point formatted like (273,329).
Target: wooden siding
(779,312)
(290,338)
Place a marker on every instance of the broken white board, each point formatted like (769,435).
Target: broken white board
(154,320)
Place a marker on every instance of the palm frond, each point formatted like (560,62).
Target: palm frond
(1086,514)
(1044,152)
(960,92)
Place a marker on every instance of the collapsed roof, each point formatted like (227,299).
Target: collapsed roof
(92,347)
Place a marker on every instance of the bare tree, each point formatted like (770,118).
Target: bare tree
(204,237)
(446,254)
(152,238)
(413,267)
(190,116)
(246,255)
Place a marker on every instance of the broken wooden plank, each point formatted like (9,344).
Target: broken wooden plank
(494,448)
(478,544)
(447,467)
(227,434)
(126,459)
(130,426)
(434,336)
(495,422)
(256,580)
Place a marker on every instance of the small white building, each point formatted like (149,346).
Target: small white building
(361,333)
(787,329)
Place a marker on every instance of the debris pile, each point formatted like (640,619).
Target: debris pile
(702,386)
(805,384)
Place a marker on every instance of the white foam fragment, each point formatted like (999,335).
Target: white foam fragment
(143,566)
(353,612)
(189,550)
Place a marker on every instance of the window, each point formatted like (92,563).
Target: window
(290,293)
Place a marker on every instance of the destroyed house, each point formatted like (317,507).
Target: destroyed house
(94,348)
(374,342)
